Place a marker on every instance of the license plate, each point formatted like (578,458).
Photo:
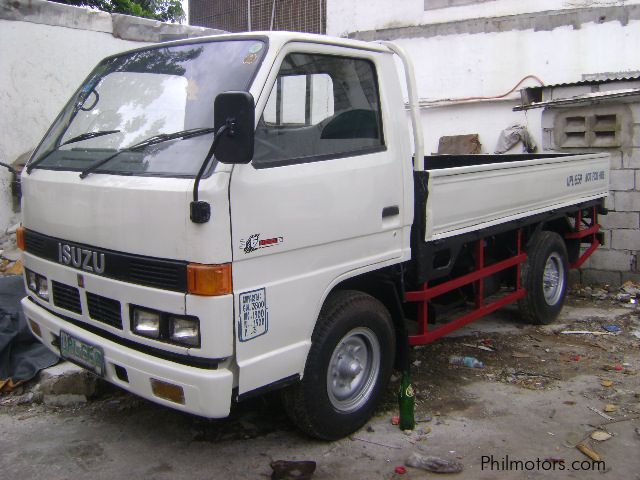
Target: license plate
(82,353)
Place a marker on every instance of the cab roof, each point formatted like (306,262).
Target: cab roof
(275,39)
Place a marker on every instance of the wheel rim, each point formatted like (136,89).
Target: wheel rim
(553,279)
(353,370)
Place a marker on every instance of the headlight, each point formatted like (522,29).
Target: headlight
(185,331)
(165,327)
(31,280)
(146,323)
(37,284)
(43,287)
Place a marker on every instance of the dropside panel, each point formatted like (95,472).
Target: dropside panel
(465,199)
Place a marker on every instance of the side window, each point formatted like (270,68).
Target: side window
(320,107)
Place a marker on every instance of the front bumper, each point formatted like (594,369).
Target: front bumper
(206,392)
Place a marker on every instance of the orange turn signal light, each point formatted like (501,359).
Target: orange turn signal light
(35,328)
(20,237)
(209,280)
(167,391)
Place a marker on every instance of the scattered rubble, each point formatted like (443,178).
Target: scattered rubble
(601,435)
(64,400)
(65,378)
(589,452)
(287,470)
(628,294)
(434,464)
(10,262)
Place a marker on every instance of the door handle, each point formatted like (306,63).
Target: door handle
(390,211)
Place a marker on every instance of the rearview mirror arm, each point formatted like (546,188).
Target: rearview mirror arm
(200,211)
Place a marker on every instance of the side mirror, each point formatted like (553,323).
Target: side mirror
(236,109)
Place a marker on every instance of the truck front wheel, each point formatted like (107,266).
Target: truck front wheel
(544,276)
(348,367)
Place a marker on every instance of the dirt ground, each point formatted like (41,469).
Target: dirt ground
(525,411)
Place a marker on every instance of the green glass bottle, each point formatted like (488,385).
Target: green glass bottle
(406,401)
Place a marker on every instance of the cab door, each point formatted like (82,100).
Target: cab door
(321,200)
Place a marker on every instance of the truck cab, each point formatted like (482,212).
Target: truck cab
(112,259)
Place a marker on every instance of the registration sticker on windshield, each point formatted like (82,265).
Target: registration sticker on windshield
(254,315)
(249,59)
(256,47)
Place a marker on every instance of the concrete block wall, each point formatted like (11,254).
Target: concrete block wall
(46,50)
(618,261)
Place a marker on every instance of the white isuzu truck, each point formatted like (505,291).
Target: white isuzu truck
(213,218)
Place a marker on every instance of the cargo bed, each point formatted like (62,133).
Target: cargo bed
(473,192)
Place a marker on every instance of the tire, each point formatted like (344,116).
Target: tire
(335,398)
(544,276)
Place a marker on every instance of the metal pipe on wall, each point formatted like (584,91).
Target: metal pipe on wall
(273,14)
(249,15)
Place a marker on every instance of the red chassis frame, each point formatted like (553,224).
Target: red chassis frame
(483,271)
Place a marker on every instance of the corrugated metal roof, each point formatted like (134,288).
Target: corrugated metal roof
(595,78)
(578,99)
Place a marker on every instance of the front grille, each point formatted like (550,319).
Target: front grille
(66,297)
(155,274)
(36,244)
(105,310)
(142,270)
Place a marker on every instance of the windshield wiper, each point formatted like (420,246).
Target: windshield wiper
(79,138)
(88,135)
(160,138)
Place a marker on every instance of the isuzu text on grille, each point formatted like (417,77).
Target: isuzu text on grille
(81,258)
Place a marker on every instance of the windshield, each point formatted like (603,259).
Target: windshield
(132,97)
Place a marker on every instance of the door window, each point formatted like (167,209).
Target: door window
(320,107)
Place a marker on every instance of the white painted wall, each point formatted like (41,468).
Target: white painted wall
(486,119)
(344,17)
(40,67)
(490,64)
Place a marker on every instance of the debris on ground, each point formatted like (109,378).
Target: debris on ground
(603,415)
(12,268)
(10,263)
(400,470)
(469,362)
(627,295)
(288,470)
(64,400)
(479,347)
(610,408)
(589,452)
(611,328)
(584,332)
(434,464)
(353,437)
(600,435)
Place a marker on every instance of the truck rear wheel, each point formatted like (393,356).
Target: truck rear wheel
(544,276)
(347,369)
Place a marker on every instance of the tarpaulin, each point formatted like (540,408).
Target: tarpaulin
(510,137)
(22,356)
